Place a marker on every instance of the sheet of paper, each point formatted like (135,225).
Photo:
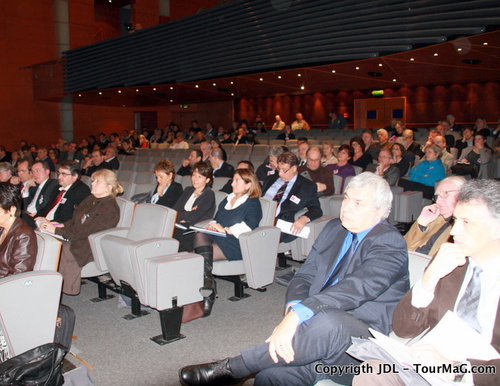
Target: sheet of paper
(204,230)
(286,226)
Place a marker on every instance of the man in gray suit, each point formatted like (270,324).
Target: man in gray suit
(353,278)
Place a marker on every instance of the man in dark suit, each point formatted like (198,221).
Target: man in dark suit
(110,158)
(43,156)
(221,168)
(96,162)
(353,278)
(42,192)
(71,193)
(293,193)
(463,277)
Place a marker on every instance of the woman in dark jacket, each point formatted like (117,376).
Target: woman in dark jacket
(96,212)
(167,192)
(18,246)
(196,204)
(238,213)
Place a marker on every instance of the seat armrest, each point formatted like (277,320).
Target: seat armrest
(96,247)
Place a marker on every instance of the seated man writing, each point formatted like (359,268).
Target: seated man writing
(353,278)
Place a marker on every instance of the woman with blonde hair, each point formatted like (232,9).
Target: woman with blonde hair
(96,213)
(328,154)
(238,213)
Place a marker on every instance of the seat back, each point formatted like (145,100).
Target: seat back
(144,188)
(268,211)
(417,262)
(151,221)
(145,178)
(219,183)
(126,175)
(49,252)
(87,181)
(29,302)
(185,181)
(128,189)
(126,212)
(219,197)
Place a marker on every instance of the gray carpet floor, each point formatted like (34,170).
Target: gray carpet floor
(121,353)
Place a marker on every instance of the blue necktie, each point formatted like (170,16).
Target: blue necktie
(468,304)
(342,262)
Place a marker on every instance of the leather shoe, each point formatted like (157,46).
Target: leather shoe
(210,374)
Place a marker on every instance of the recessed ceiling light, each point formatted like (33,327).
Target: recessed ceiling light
(119,91)
(136,90)
(485,43)
(333,71)
(380,64)
(302,87)
(261,79)
(171,88)
(215,84)
(196,86)
(171,100)
(412,59)
(123,105)
(279,76)
(459,49)
(394,80)
(232,82)
(100,92)
(357,68)
(154,88)
(299,75)
(375,73)
(232,94)
(435,54)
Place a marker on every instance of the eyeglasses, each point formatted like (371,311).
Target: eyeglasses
(283,171)
(444,194)
(63,174)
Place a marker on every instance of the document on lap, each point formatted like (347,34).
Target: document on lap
(286,227)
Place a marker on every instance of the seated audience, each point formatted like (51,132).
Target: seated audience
(5,156)
(302,148)
(424,175)
(143,142)
(6,171)
(293,193)
(270,165)
(198,138)
(167,191)
(410,145)
(110,158)
(194,157)
(286,134)
(220,167)
(385,167)
(360,157)
(127,147)
(42,155)
(300,123)
(197,203)
(206,149)
(327,305)
(54,155)
(481,127)
(462,278)
(434,223)
(278,124)
(466,141)
(369,147)
(343,168)
(446,158)
(312,170)
(336,122)
(95,163)
(397,132)
(97,212)
(18,245)
(328,155)
(228,186)
(241,136)
(473,157)
(383,142)
(238,213)
(179,142)
(72,192)
(398,159)
(38,193)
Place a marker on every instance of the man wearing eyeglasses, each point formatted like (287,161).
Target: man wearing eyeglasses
(293,193)
(318,174)
(71,193)
(433,226)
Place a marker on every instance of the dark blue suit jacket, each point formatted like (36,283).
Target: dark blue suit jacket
(369,287)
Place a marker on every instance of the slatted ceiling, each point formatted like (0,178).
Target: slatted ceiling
(250,36)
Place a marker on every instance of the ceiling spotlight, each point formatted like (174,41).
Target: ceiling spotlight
(232,82)
(394,80)
(485,43)
(196,86)
(232,94)
(136,90)
(302,87)
(459,49)
(154,88)
(279,76)
(333,71)
(119,91)
(299,75)
(171,88)
(261,79)
(79,95)
(380,64)
(357,68)
(412,59)
(435,54)
(215,84)
(100,92)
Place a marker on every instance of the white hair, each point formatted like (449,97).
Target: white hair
(381,191)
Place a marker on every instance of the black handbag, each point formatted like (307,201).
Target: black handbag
(41,365)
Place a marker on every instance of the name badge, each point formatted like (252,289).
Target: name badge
(295,200)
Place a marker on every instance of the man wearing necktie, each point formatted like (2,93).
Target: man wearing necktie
(464,277)
(353,278)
